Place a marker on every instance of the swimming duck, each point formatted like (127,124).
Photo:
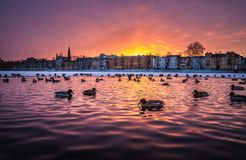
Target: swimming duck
(90,92)
(233,87)
(64,94)
(169,77)
(82,80)
(23,79)
(162,80)
(6,80)
(197,81)
(242,82)
(200,94)
(34,81)
(165,84)
(97,80)
(136,80)
(40,79)
(237,98)
(184,80)
(48,80)
(54,80)
(234,79)
(66,78)
(150,105)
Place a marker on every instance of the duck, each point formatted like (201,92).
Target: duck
(34,81)
(54,80)
(66,78)
(64,94)
(119,80)
(23,79)
(234,79)
(169,77)
(136,80)
(242,82)
(97,80)
(233,87)
(237,98)
(150,105)
(6,80)
(90,92)
(200,94)
(48,80)
(197,81)
(165,84)
(184,80)
(40,79)
(162,80)
(82,80)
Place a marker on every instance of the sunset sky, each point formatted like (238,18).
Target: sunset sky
(42,28)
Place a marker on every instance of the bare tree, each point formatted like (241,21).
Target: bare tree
(195,49)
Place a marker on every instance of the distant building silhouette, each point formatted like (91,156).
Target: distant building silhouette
(229,61)
(69,54)
(62,62)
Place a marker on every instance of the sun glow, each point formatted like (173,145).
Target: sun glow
(150,49)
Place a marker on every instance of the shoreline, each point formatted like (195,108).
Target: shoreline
(202,73)
(134,70)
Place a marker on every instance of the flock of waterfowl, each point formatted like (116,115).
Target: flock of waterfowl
(151,105)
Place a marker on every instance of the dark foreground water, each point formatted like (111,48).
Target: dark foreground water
(35,125)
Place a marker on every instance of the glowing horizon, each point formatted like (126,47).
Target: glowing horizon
(41,29)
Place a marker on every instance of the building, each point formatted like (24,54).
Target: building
(185,63)
(160,62)
(62,62)
(172,61)
(197,62)
(211,61)
(226,61)
(103,61)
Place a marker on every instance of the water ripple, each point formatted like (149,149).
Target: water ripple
(36,125)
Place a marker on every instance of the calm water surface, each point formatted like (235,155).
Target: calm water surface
(36,125)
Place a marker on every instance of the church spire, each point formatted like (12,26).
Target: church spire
(69,54)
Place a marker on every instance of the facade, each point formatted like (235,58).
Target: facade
(103,61)
(197,62)
(172,62)
(86,63)
(223,61)
(185,63)
(227,61)
(130,62)
(159,62)
(63,63)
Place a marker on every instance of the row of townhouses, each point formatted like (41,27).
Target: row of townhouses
(223,61)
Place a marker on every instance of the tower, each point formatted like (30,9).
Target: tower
(69,54)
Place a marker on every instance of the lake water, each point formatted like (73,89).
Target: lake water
(36,125)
